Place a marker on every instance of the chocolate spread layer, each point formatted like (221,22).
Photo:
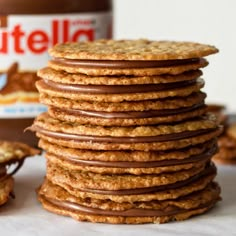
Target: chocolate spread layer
(129,114)
(209,170)
(116,89)
(125,164)
(136,212)
(112,139)
(124,64)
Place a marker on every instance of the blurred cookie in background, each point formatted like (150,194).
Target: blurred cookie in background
(12,156)
(227,140)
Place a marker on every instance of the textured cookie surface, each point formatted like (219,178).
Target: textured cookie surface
(132,50)
(57,200)
(15,151)
(67,78)
(6,188)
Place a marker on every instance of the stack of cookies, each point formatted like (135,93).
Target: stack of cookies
(127,136)
(227,140)
(11,153)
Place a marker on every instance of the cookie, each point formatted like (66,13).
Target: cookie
(127,156)
(114,94)
(57,200)
(141,49)
(231,131)
(6,189)
(127,118)
(15,151)
(11,153)
(63,77)
(161,104)
(92,182)
(195,184)
(136,168)
(130,57)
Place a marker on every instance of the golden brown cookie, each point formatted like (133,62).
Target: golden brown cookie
(114,95)
(11,153)
(162,137)
(127,118)
(130,57)
(57,200)
(136,168)
(6,188)
(90,182)
(194,185)
(46,123)
(127,156)
(141,49)
(82,79)
(162,104)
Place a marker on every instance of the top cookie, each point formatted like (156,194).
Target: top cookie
(132,50)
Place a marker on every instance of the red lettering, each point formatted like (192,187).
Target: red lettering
(55,32)
(38,41)
(17,34)
(4,42)
(83,35)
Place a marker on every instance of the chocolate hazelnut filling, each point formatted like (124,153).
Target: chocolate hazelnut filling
(129,114)
(112,139)
(115,89)
(150,164)
(169,210)
(125,64)
(209,170)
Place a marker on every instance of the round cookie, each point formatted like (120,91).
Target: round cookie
(92,182)
(130,57)
(136,168)
(75,93)
(57,200)
(6,188)
(82,79)
(11,153)
(174,193)
(127,156)
(185,129)
(127,118)
(163,104)
(141,49)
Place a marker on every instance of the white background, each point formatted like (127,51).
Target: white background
(205,21)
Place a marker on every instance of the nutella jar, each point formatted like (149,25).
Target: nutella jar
(27,29)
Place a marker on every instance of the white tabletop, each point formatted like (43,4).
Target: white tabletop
(25,216)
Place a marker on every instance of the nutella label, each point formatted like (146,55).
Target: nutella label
(24,42)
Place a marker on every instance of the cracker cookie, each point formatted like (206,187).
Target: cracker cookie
(136,168)
(127,156)
(67,78)
(130,57)
(88,181)
(73,92)
(160,104)
(174,193)
(11,153)
(127,118)
(131,50)
(57,200)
